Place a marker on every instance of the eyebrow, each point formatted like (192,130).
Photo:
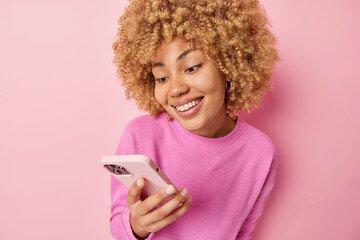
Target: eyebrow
(181,56)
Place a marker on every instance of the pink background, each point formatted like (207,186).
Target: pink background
(62,108)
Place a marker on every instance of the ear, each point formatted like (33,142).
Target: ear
(228,84)
(227,78)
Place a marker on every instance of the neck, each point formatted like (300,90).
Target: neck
(218,129)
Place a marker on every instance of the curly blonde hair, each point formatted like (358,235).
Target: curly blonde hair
(232,33)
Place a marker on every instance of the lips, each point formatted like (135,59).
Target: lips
(188,107)
(185,101)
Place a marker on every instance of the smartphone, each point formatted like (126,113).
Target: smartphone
(128,168)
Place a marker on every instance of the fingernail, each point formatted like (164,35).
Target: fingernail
(183,192)
(139,183)
(189,200)
(170,190)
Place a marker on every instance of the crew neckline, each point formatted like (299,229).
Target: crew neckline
(213,142)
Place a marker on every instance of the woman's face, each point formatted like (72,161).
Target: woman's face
(191,89)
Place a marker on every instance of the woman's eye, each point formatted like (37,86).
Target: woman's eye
(161,80)
(193,68)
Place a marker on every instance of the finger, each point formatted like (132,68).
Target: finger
(172,217)
(152,201)
(134,193)
(163,211)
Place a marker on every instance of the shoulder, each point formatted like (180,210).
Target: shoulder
(258,139)
(140,133)
(145,125)
(142,121)
(260,148)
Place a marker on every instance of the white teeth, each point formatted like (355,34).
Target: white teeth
(187,106)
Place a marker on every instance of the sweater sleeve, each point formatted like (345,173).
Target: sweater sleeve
(119,220)
(250,222)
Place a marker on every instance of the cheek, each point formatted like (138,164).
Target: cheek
(217,90)
(213,86)
(159,95)
(156,94)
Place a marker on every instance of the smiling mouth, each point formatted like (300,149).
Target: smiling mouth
(188,105)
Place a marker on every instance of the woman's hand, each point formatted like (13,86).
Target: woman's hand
(146,217)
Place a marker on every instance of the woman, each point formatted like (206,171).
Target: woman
(194,66)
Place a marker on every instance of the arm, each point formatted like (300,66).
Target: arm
(120,214)
(249,225)
(145,217)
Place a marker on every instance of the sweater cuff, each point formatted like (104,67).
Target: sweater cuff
(125,219)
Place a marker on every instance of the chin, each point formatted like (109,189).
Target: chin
(191,125)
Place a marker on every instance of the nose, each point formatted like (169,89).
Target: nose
(178,87)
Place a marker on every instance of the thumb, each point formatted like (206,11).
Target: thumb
(134,193)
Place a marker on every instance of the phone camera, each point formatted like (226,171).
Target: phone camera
(118,169)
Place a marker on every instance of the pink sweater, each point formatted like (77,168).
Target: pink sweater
(229,178)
